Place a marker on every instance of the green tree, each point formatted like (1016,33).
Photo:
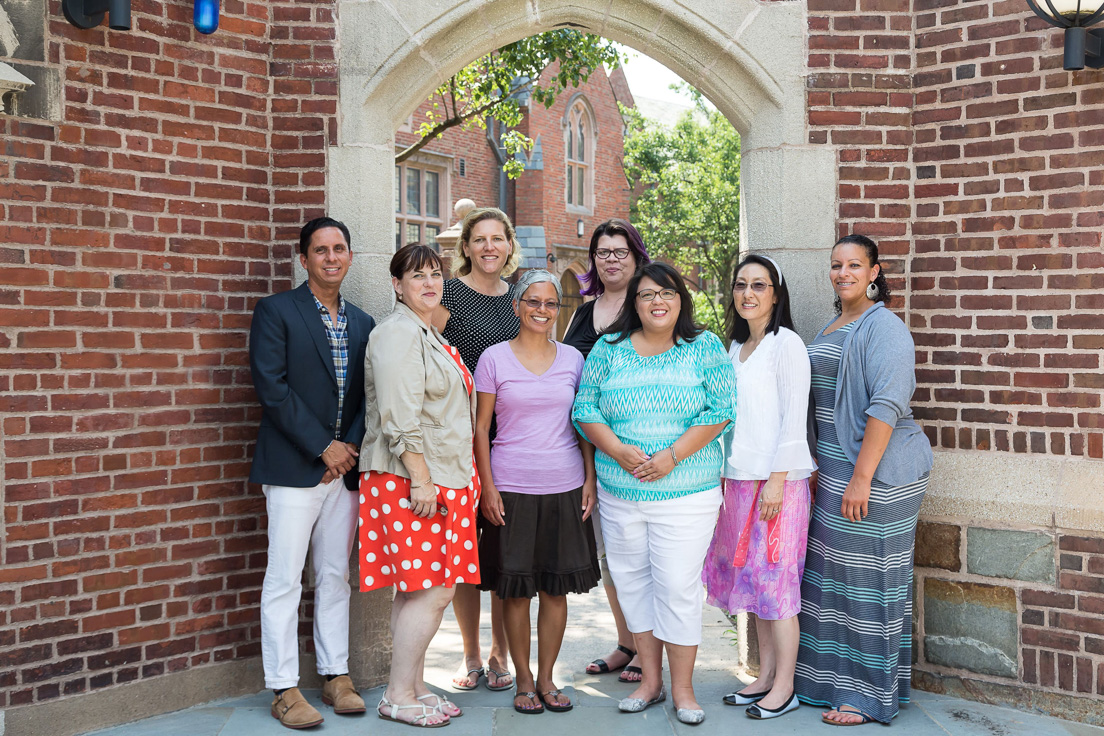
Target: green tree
(687,205)
(490,87)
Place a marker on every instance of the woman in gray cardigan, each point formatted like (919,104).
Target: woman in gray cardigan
(856,596)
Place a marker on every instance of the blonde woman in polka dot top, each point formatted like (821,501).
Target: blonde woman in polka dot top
(476,312)
(419,491)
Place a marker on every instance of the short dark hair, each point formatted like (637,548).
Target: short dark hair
(411,257)
(592,284)
(317,224)
(871,249)
(628,320)
(737,327)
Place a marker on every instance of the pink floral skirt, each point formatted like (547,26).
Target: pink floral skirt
(770,590)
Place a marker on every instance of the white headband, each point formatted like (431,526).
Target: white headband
(777,268)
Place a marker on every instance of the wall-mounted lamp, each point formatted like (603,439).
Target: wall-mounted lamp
(580,229)
(551,258)
(1083,47)
(205,16)
(90,13)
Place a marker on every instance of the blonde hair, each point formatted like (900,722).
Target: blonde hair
(461,263)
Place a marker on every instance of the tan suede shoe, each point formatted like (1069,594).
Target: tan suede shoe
(293,710)
(340,693)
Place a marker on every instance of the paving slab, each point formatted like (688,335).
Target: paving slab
(204,721)
(591,634)
(968,718)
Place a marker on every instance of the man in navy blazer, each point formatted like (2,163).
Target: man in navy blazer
(306,351)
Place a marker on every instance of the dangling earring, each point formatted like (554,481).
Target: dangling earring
(872,292)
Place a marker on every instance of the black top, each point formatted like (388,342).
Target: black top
(582,334)
(477,321)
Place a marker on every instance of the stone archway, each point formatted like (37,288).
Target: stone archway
(747,57)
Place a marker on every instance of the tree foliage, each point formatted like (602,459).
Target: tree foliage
(490,87)
(687,205)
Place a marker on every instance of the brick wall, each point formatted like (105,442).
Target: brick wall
(137,234)
(975,160)
(1008,269)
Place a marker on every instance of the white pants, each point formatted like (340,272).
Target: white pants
(655,551)
(325,518)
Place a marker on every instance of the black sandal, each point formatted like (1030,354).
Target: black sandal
(538,706)
(604,668)
(554,706)
(630,670)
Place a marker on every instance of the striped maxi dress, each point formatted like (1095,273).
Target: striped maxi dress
(856,596)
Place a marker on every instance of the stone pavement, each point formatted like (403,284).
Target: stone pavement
(589,634)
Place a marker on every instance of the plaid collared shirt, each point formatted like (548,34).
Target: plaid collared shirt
(338,337)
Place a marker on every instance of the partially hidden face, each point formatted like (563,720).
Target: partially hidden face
(851,271)
(328,257)
(540,318)
(615,261)
(420,288)
(662,311)
(488,248)
(753,293)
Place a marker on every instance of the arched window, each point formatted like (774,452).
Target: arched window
(579,139)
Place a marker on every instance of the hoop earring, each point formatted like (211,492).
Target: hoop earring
(872,292)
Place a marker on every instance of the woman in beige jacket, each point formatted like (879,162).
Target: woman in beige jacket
(419,491)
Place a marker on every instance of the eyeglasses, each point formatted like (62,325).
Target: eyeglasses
(618,253)
(537,304)
(649,294)
(757,286)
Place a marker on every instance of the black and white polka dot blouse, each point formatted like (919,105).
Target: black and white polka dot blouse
(477,321)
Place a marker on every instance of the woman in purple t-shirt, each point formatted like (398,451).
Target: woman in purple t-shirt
(538,486)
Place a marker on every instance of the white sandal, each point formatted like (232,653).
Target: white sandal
(426,713)
(442,702)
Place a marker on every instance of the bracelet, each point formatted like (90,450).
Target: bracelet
(671,449)
(422,485)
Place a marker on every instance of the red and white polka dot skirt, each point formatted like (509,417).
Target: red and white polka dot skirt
(401,549)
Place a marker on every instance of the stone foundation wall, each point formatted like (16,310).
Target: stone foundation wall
(1011,615)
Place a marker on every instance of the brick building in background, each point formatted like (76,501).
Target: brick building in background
(153,182)
(581,134)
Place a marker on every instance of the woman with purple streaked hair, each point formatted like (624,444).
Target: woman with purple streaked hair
(616,252)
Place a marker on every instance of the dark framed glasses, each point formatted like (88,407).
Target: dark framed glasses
(647,295)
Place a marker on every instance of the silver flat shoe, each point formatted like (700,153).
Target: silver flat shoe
(636,705)
(690,716)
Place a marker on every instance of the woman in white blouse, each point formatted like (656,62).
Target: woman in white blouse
(757,555)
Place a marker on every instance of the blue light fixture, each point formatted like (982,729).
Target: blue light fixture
(206,16)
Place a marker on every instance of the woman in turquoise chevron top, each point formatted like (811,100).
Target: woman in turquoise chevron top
(655,393)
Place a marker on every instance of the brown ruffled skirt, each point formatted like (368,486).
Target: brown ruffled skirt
(544,547)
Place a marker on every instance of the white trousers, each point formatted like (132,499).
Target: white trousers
(324,518)
(655,551)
